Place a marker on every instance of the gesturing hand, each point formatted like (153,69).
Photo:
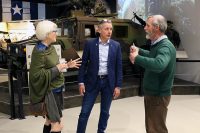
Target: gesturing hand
(74,63)
(133,53)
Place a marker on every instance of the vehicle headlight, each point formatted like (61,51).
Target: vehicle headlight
(16,50)
(8,48)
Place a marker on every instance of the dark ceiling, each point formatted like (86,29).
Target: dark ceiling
(63,1)
(46,1)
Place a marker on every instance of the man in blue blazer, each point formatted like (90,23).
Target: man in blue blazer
(100,72)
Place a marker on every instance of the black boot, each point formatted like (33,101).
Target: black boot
(47,129)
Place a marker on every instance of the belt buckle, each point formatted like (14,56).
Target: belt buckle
(102,76)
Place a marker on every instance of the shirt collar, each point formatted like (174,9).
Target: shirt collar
(100,42)
(41,46)
(158,40)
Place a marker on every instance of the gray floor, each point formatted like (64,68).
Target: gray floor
(127,116)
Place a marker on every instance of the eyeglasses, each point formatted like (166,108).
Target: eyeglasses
(54,31)
(105,21)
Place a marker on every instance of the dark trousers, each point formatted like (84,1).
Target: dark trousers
(88,103)
(156,113)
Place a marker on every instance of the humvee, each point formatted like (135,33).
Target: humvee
(72,33)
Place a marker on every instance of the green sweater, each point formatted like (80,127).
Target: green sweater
(40,75)
(159,64)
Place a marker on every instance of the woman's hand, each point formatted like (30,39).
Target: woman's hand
(74,63)
(62,67)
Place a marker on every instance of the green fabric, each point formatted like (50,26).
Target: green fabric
(159,64)
(40,73)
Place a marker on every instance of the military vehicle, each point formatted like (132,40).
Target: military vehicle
(75,30)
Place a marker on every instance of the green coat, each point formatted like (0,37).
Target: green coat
(159,64)
(40,80)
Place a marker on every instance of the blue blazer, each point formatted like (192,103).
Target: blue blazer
(88,72)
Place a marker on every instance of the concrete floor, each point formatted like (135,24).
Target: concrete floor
(127,116)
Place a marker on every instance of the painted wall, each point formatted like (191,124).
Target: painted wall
(186,17)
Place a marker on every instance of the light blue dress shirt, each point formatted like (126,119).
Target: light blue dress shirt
(103,57)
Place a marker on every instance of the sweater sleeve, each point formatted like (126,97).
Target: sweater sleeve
(54,73)
(143,52)
(39,78)
(157,64)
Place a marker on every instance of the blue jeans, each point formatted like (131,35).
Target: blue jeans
(88,103)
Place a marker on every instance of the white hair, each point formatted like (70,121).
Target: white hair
(43,28)
(160,21)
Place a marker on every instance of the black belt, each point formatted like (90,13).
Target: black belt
(102,76)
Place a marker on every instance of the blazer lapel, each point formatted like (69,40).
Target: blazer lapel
(96,50)
(109,52)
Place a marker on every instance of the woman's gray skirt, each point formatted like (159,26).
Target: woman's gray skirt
(54,105)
